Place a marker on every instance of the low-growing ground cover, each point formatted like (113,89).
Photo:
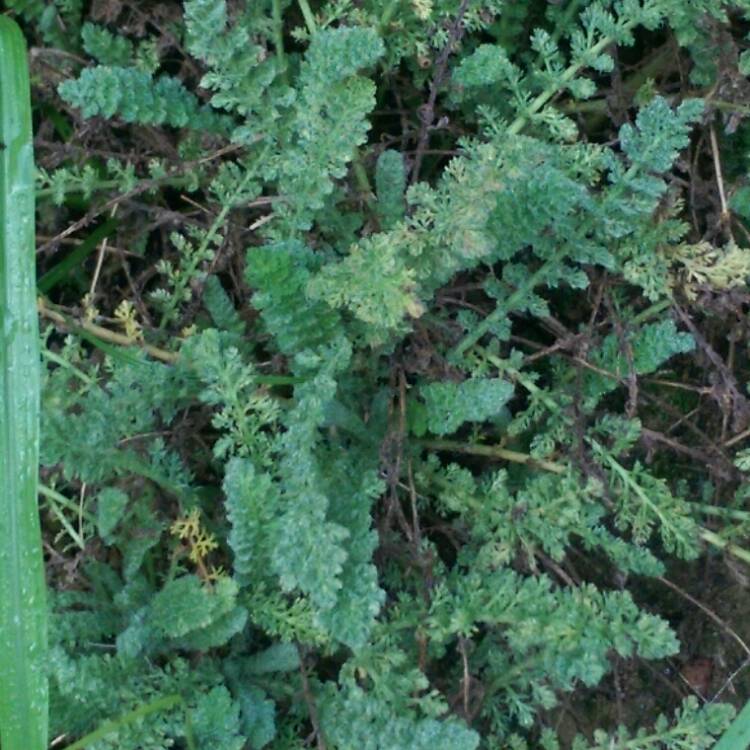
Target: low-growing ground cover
(394,372)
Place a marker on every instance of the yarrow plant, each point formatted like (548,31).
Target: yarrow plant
(394,394)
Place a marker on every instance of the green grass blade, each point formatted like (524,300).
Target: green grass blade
(23,612)
(56,274)
(737,737)
(163,703)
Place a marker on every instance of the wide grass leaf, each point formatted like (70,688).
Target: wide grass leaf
(23,685)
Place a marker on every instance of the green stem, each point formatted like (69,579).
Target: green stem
(110,184)
(363,183)
(103,339)
(58,272)
(636,488)
(729,106)
(501,310)
(541,99)
(278,38)
(208,238)
(705,534)
(715,510)
(164,703)
(66,502)
(55,500)
(307,14)
(658,64)
(651,312)
(390,9)
(720,543)
(62,362)
(566,21)
(493,451)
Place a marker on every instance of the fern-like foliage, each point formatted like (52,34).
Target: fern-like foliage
(220,308)
(135,96)
(328,122)
(105,47)
(390,184)
(279,273)
(642,352)
(241,71)
(407,456)
(355,719)
(252,499)
(243,410)
(449,405)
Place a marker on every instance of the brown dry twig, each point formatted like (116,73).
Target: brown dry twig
(312,708)
(427,111)
(723,625)
(142,187)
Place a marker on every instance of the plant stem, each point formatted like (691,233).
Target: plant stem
(541,99)
(59,498)
(209,237)
(714,510)
(307,14)
(493,451)
(363,183)
(179,181)
(390,9)
(278,38)
(163,703)
(502,309)
(84,327)
(76,326)
(651,312)
(58,360)
(616,467)
(58,272)
(714,539)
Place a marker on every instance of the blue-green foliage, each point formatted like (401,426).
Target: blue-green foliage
(279,273)
(252,499)
(186,615)
(642,351)
(221,309)
(135,96)
(390,184)
(84,429)
(89,684)
(449,405)
(110,507)
(650,147)
(239,70)
(507,520)
(105,47)
(360,579)
(659,134)
(300,524)
(243,411)
(360,598)
(216,721)
(354,719)
(310,552)
(560,636)
(328,121)
(58,21)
